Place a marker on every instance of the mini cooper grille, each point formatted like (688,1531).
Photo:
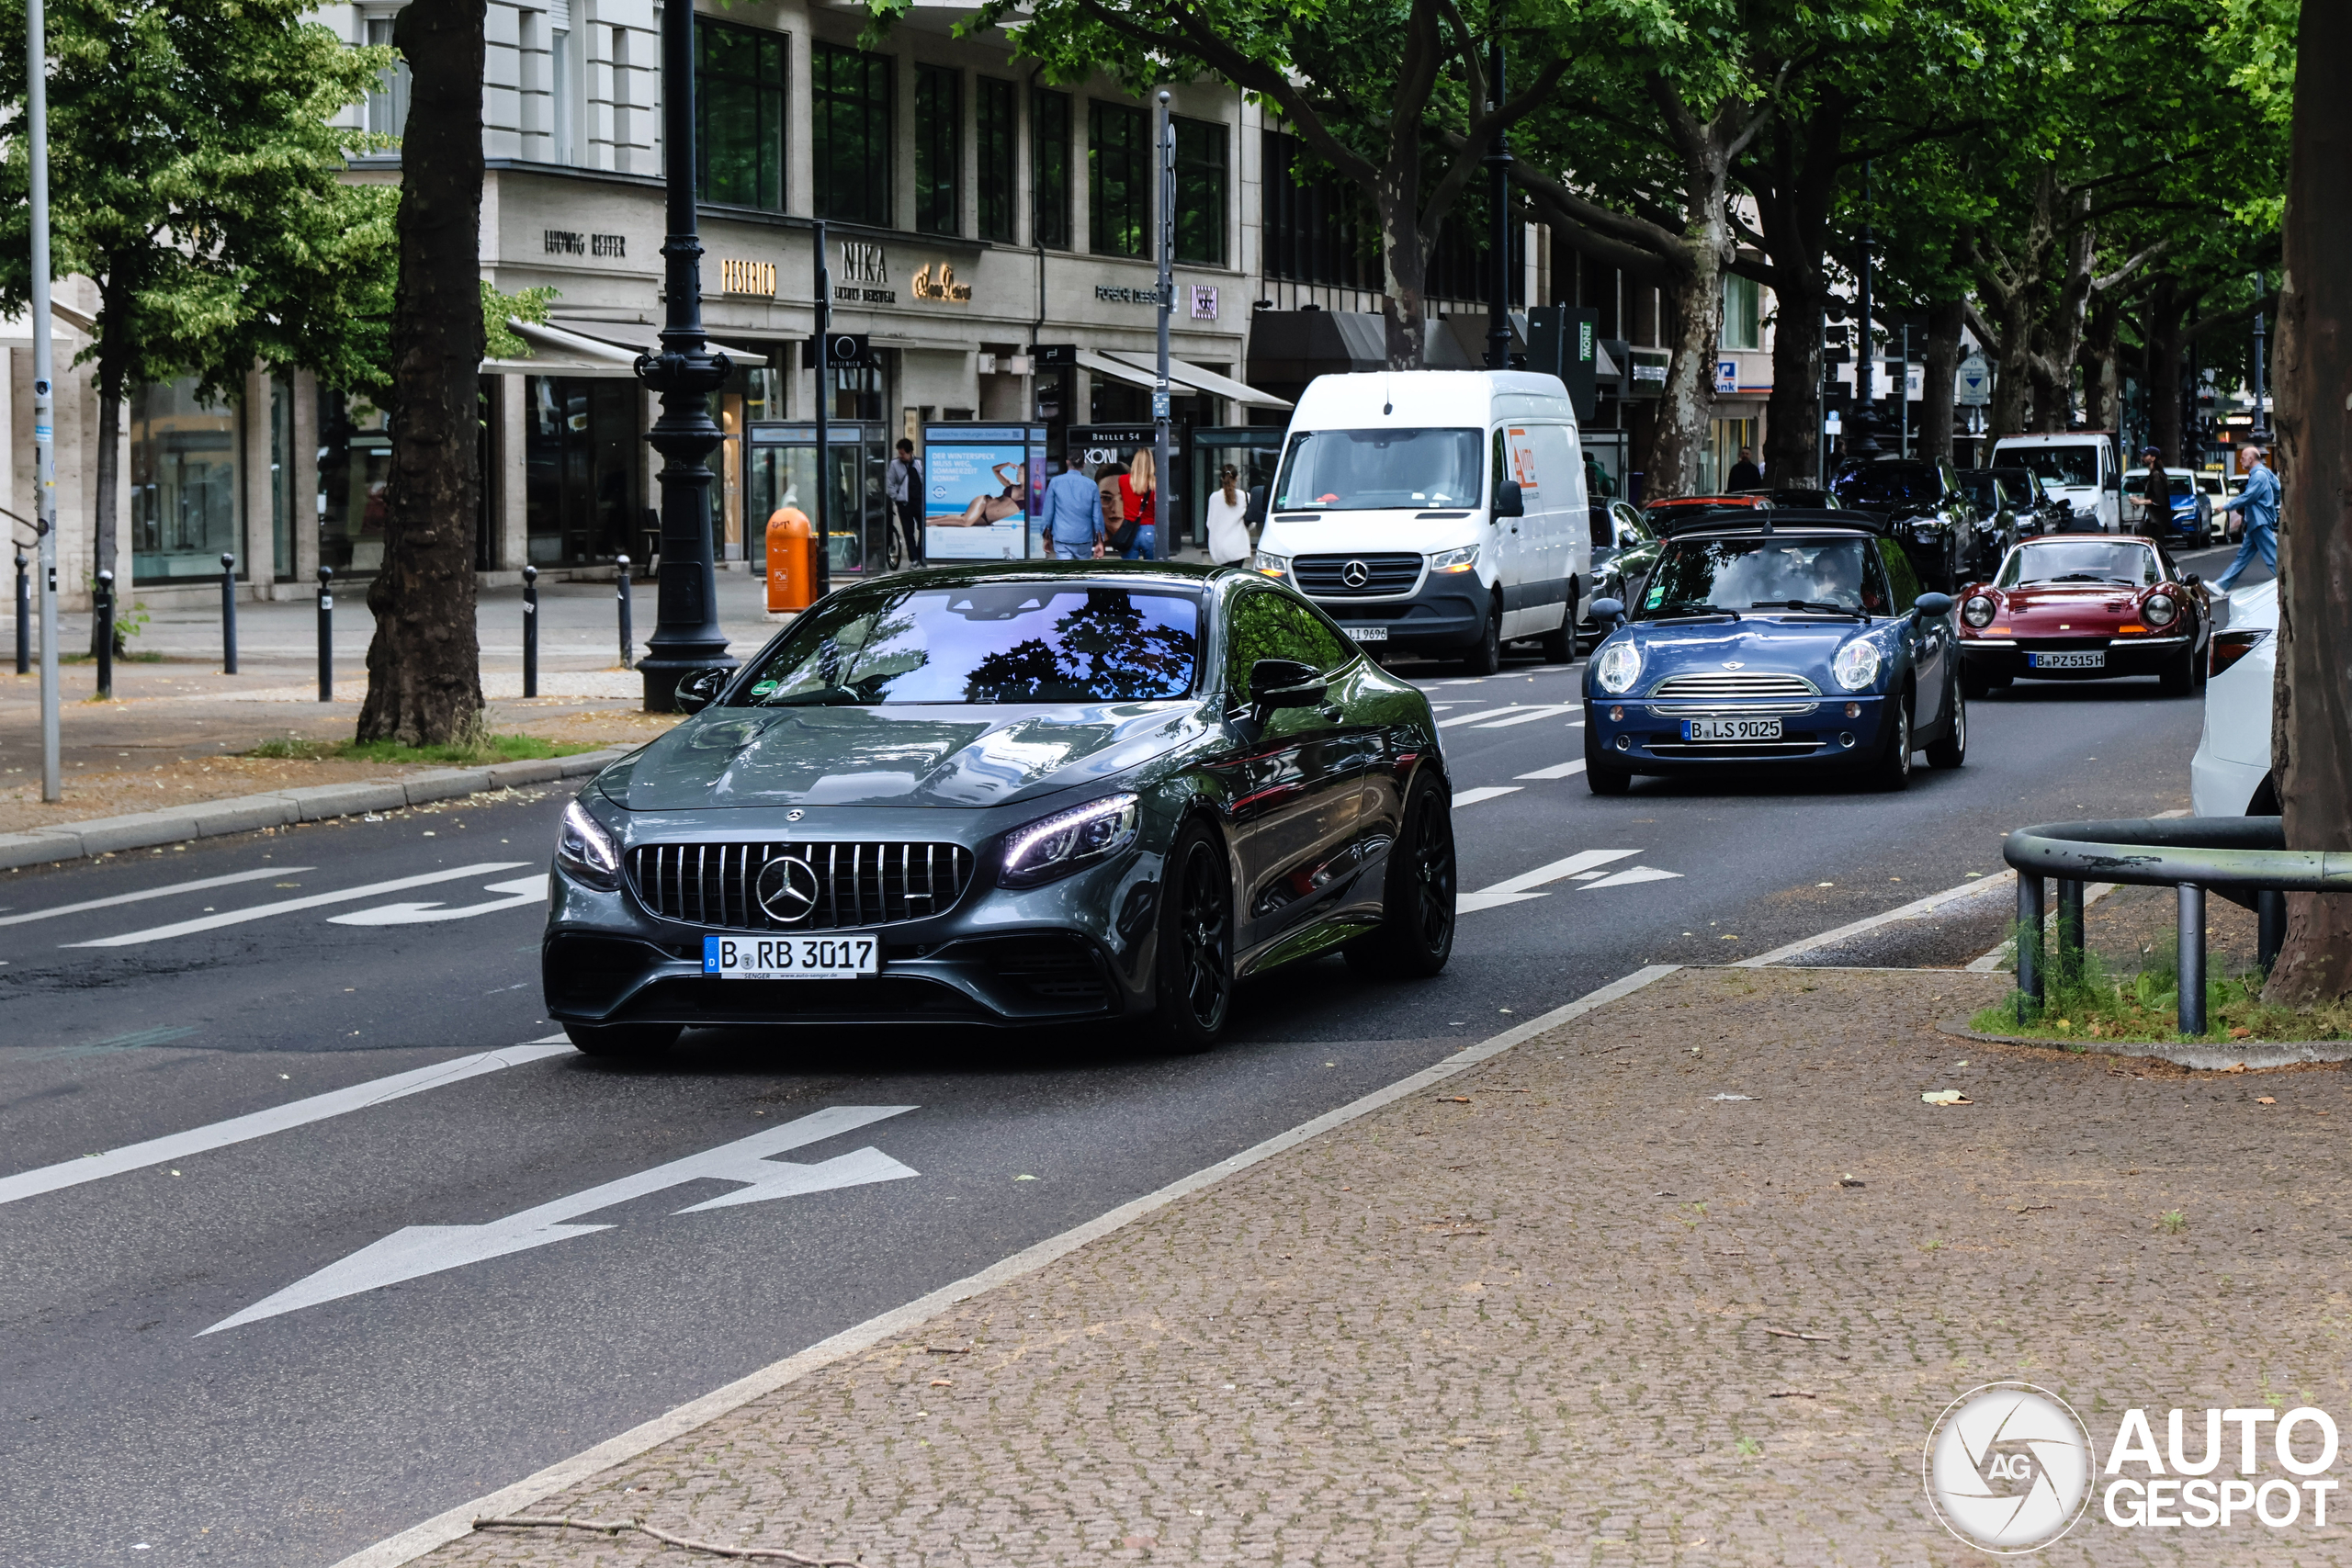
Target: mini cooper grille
(1735,683)
(860,885)
(1328,577)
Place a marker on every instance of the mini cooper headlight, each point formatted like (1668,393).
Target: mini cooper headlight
(1978,611)
(1272,565)
(2159,609)
(585,851)
(1462,559)
(1056,845)
(1855,665)
(1619,666)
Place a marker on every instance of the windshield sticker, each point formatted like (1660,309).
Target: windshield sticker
(1658,597)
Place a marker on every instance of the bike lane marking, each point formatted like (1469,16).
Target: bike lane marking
(119,898)
(291,906)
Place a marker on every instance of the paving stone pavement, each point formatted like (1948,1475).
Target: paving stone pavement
(1531,1328)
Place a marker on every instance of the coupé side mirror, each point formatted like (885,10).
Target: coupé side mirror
(1508,500)
(1255,512)
(701,689)
(1931,606)
(1278,683)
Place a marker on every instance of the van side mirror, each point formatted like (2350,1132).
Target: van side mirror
(701,689)
(1509,502)
(1931,606)
(1256,510)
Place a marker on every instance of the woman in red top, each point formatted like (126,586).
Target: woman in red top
(1139,505)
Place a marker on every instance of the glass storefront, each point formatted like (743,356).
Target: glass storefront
(753,392)
(1251,449)
(583,461)
(780,460)
(184,496)
(354,464)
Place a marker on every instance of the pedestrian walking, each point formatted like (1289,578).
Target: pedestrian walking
(1228,520)
(2260,499)
(1072,519)
(1744,474)
(2154,498)
(1138,509)
(902,485)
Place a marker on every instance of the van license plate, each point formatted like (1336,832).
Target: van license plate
(847,956)
(2094,659)
(1367,634)
(1731,729)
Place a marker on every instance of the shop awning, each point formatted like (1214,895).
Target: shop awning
(639,337)
(1135,370)
(557,352)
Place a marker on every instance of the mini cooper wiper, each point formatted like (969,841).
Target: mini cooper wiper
(1823,605)
(1682,608)
(820,697)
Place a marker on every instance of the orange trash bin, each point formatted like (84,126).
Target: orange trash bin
(792,573)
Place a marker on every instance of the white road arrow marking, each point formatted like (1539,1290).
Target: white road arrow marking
(197,887)
(522,890)
(1636,874)
(1519,889)
(289,906)
(417,1250)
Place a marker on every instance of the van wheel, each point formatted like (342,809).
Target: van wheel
(1485,655)
(1560,646)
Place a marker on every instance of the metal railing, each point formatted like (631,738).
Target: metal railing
(2245,859)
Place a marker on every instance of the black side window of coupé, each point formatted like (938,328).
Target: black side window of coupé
(1262,624)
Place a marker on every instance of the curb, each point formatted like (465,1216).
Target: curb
(2251,1056)
(284,809)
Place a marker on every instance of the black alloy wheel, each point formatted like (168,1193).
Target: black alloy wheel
(1416,934)
(622,1042)
(1893,768)
(1485,655)
(1195,969)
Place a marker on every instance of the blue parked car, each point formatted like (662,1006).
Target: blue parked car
(1785,640)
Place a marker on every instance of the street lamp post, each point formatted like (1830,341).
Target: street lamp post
(1162,506)
(1865,443)
(1497,162)
(2260,434)
(52,784)
(686,637)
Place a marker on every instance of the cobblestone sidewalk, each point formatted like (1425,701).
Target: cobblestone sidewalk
(1529,1318)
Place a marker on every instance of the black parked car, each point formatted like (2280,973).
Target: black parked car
(1623,545)
(2039,512)
(1998,504)
(1925,509)
(1009,793)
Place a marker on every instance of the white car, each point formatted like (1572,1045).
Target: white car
(2230,774)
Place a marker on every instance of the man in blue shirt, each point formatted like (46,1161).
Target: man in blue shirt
(2260,499)
(1073,515)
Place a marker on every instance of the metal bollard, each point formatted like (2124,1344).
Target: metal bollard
(627,638)
(2029,945)
(2066,968)
(104,609)
(24,616)
(2191,959)
(228,613)
(530,631)
(2270,917)
(326,634)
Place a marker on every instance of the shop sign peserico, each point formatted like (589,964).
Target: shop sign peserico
(755,278)
(936,280)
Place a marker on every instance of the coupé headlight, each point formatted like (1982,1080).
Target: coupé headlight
(1619,666)
(1056,845)
(1462,559)
(1272,565)
(1978,611)
(585,851)
(1855,665)
(2159,609)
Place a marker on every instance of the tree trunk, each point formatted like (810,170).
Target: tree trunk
(424,666)
(1403,265)
(1941,374)
(114,357)
(2311,743)
(2102,391)
(2012,367)
(2162,380)
(1793,414)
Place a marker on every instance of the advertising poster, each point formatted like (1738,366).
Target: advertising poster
(975,502)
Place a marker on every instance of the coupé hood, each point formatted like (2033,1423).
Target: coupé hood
(910,755)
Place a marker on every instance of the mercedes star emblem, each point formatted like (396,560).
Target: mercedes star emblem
(1355,574)
(787,890)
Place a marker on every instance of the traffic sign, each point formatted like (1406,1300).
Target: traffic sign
(1975,382)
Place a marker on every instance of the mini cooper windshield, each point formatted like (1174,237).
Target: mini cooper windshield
(2081,562)
(1700,577)
(986,642)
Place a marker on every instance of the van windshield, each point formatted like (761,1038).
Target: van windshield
(1359,470)
(2076,466)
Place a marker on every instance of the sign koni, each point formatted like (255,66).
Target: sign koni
(936,280)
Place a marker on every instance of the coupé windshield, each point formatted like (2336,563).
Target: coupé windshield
(1696,577)
(1361,471)
(2075,560)
(989,643)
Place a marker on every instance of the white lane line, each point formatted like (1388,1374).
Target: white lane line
(1467,717)
(1520,888)
(1529,714)
(441,1528)
(1491,792)
(277,1119)
(1556,771)
(522,890)
(289,906)
(197,887)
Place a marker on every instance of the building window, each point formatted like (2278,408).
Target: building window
(388,104)
(1743,312)
(1200,192)
(583,479)
(739,114)
(564,70)
(183,489)
(355,466)
(997,131)
(1118,179)
(1049,167)
(1316,229)
(939,149)
(850,126)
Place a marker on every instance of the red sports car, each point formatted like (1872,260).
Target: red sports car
(2083,607)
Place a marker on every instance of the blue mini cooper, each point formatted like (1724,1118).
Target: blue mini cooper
(1786,640)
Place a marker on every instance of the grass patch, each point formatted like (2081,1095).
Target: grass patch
(2143,1009)
(134,656)
(482,751)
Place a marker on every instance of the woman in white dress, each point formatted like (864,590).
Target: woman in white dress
(1228,520)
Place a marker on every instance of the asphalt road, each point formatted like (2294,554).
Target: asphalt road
(448,1362)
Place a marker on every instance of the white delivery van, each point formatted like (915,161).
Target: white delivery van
(1436,510)
(2079,467)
